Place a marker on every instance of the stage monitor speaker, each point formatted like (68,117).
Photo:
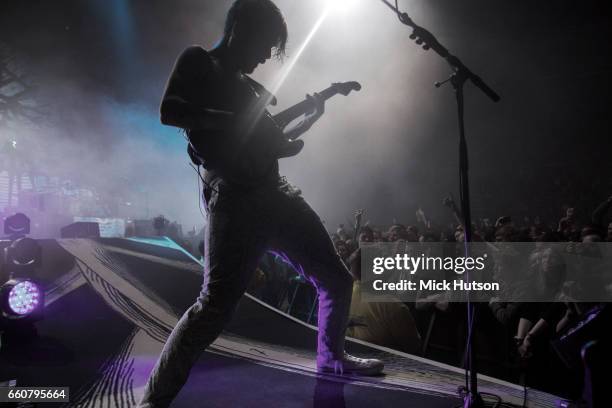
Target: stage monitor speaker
(81,230)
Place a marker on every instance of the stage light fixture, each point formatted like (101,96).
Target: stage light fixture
(17,224)
(22,257)
(20,298)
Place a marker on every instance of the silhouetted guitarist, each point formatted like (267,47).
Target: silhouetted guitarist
(250,208)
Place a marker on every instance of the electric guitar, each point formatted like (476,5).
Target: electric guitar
(289,147)
(285,117)
(282,119)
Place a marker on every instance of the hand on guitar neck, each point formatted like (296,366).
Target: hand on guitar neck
(312,108)
(290,145)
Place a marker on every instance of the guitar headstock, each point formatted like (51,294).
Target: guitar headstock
(346,88)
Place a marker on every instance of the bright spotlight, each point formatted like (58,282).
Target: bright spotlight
(328,7)
(294,58)
(20,298)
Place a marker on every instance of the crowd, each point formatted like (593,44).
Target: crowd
(514,340)
(526,330)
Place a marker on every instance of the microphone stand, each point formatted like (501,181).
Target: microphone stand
(461,74)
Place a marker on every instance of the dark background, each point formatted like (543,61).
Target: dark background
(101,67)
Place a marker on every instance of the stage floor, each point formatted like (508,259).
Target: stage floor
(111,303)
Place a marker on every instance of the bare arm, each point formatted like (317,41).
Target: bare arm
(600,212)
(177,112)
(179,107)
(450,203)
(357,227)
(354,263)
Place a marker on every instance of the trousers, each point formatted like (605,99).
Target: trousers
(242,225)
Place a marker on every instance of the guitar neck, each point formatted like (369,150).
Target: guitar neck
(285,117)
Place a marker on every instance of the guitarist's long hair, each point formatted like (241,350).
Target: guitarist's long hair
(258,16)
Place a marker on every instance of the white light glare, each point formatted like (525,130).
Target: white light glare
(294,58)
(342,6)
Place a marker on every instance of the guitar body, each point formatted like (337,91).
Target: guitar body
(244,154)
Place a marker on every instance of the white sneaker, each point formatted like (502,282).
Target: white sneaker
(351,365)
